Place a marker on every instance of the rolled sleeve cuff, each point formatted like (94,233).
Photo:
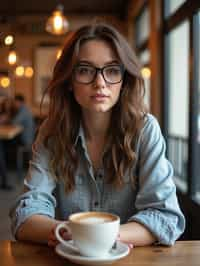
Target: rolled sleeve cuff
(30,204)
(156,222)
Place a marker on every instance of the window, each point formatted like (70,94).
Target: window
(142,27)
(177,69)
(182,94)
(144,57)
(142,32)
(196,110)
(198,75)
(171,6)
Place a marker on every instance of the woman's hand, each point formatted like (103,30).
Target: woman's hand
(130,245)
(52,241)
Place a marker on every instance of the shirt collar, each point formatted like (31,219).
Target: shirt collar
(81,136)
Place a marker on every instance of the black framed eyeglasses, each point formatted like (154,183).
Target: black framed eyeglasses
(86,74)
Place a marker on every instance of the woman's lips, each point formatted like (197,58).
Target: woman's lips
(99,97)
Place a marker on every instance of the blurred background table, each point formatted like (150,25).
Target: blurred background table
(183,253)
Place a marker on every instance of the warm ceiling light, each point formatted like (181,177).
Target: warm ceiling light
(19,71)
(9,39)
(28,73)
(4,82)
(12,57)
(57,24)
(146,72)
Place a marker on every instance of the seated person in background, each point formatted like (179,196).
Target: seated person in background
(14,111)
(23,117)
(5,116)
(5,109)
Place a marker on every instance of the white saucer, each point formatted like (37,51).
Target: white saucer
(121,251)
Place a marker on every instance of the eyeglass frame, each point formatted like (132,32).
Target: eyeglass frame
(97,70)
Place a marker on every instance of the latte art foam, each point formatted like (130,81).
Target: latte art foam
(95,220)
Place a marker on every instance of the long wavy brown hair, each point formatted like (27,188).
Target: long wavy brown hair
(61,127)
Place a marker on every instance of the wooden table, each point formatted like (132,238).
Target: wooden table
(9,131)
(183,253)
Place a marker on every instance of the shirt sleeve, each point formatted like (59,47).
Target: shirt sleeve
(156,201)
(40,185)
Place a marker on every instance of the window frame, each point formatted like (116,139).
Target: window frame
(188,11)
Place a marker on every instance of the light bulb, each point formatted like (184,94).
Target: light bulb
(57,24)
(5,82)
(12,57)
(28,72)
(146,72)
(19,71)
(58,21)
(8,40)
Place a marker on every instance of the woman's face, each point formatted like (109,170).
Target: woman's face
(98,95)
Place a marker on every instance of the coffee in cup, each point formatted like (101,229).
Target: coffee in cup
(93,233)
(93,218)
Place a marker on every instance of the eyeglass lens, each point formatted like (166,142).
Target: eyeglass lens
(87,74)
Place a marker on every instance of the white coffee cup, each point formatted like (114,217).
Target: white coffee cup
(93,233)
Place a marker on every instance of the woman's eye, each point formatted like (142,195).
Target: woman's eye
(113,71)
(84,70)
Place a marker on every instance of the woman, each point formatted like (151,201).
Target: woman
(99,147)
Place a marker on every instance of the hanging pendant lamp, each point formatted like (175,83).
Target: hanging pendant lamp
(57,23)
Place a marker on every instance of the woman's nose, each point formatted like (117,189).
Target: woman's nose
(99,80)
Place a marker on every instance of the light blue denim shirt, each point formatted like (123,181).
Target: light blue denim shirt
(152,202)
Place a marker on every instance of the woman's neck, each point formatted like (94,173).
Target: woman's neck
(96,133)
(96,126)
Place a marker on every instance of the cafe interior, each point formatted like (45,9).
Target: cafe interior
(166,37)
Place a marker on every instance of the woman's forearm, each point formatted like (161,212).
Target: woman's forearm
(137,234)
(36,228)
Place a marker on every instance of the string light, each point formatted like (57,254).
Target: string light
(9,39)
(12,57)
(19,71)
(5,82)
(28,73)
